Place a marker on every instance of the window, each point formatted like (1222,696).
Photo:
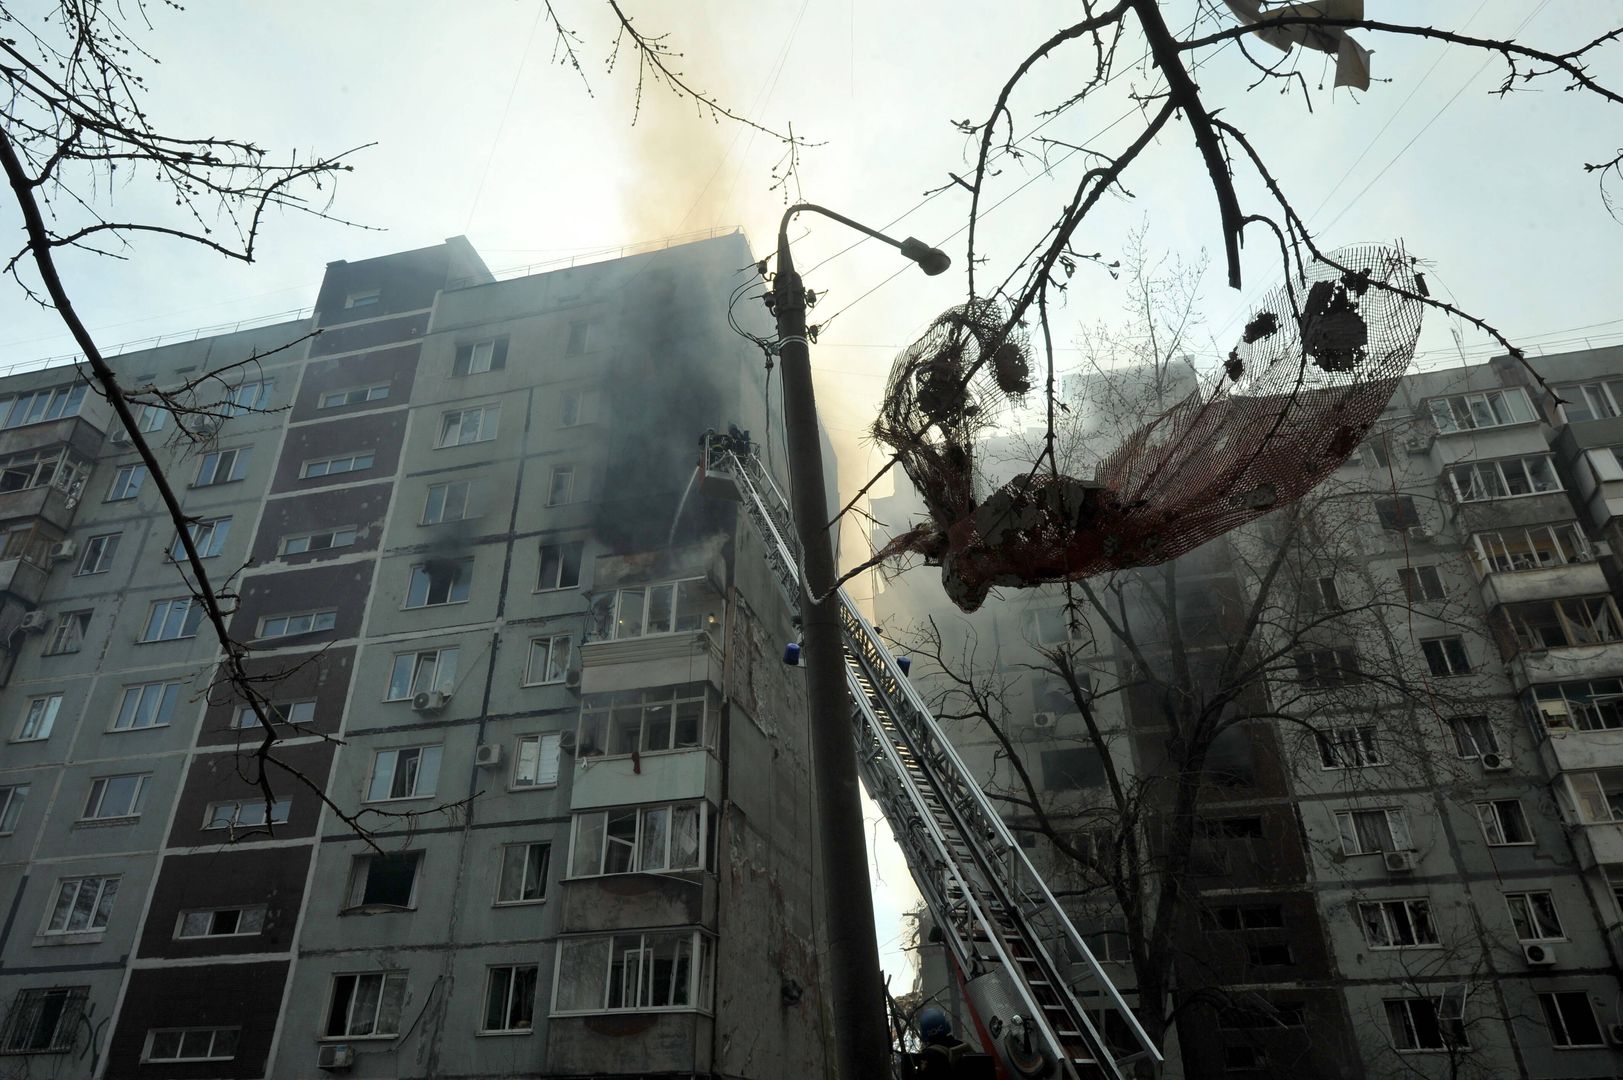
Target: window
(560,566)
(1366,832)
(431,669)
(1047,627)
(445,581)
(1445,656)
(510,999)
(1397,513)
(1397,924)
(170,620)
(638,839)
(337,399)
(147,705)
(384,881)
(1421,583)
(363,298)
(1506,478)
(1510,551)
(366,1006)
(1581,706)
(116,796)
(310,622)
(98,555)
(1328,594)
(1571,1019)
(1493,408)
(33,468)
(577,406)
(1598,794)
(1072,769)
(246,813)
(151,418)
(127,482)
(1533,915)
(669,607)
(561,485)
(68,635)
(1591,401)
(1555,624)
(663,718)
(580,333)
(40,718)
(480,357)
(12,799)
(633,972)
(83,905)
(222,467)
(1244,917)
(325,540)
(549,659)
(1473,736)
(333,466)
(246,397)
(1503,822)
(523,877)
(459,427)
(44,1021)
(448,502)
(221,922)
(282,712)
(411,772)
(40,406)
(1414,1025)
(208,539)
(1349,747)
(191,1044)
(1325,669)
(535,763)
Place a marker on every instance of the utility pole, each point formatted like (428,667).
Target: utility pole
(861,1042)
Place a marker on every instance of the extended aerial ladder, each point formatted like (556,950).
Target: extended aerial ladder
(1034,985)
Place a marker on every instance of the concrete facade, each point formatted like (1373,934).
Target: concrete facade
(444,504)
(1494,593)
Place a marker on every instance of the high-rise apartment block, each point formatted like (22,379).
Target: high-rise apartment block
(1408,848)
(539,801)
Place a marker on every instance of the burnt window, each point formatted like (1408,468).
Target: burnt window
(388,881)
(1397,513)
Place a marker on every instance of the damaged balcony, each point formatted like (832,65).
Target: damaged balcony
(44,483)
(1551,641)
(25,563)
(1593,801)
(650,865)
(656,634)
(1538,562)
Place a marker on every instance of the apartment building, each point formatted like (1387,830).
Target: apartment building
(1406,856)
(539,803)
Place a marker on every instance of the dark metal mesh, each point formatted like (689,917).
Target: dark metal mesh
(1316,365)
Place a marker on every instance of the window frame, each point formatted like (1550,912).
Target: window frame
(1472,726)
(1533,918)
(360,882)
(284,546)
(385,978)
(1495,807)
(1580,711)
(1344,672)
(509,999)
(550,660)
(1363,739)
(319,623)
(1395,822)
(561,552)
(1502,478)
(208,538)
(468,487)
(548,749)
(1394,915)
(212,819)
(607,617)
(1445,1028)
(295,713)
(460,580)
(211,935)
(436,681)
(191,619)
(127,482)
(162,713)
(1454,407)
(582,834)
(368,394)
(455,420)
(597,732)
(101,906)
(526,848)
(235,459)
(37,729)
(466,357)
(1441,661)
(700,983)
(1492,555)
(70,629)
(1422,584)
(214,1035)
(24,1010)
(1605,391)
(566,473)
(359,461)
(13,799)
(422,751)
(105,548)
(1551,1005)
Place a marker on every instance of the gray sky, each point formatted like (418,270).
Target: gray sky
(480,133)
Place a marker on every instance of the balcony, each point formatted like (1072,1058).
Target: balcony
(1579,751)
(659,776)
(652,660)
(660,1043)
(1543,583)
(613,901)
(22,577)
(1567,663)
(1599,843)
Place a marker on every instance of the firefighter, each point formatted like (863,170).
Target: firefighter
(942,1051)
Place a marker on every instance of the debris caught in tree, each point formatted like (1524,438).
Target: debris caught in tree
(1294,399)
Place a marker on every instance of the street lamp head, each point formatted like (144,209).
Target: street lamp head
(931,260)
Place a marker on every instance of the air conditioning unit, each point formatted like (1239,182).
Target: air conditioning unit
(34,622)
(1417,444)
(1043,721)
(63,549)
(429,701)
(1538,955)
(1420,534)
(488,756)
(336,1057)
(1492,762)
(1399,862)
(120,437)
(572,678)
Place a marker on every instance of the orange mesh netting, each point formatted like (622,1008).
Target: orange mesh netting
(1317,364)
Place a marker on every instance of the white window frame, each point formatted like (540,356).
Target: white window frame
(524,851)
(508,1000)
(377,392)
(424,757)
(564,476)
(1481,409)
(582,833)
(39,719)
(304,622)
(479,357)
(1525,899)
(156,714)
(1580,622)
(699,987)
(1576,711)
(162,613)
(1493,556)
(1490,816)
(362,298)
(1354,747)
(208,538)
(70,630)
(152,418)
(342,537)
(597,730)
(179,1057)
(542,764)
(100,909)
(1397,827)
(295,713)
(43,405)
(98,554)
(454,427)
(385,980)
(1443,1027)
(639,600)
(554,667)
(246,397)
(1383,923)
(13,797)
(183,918)
(251,808)
(440,680)
(1501,471)
(561,551)
(1601,398)
(577,406)
(420,580)
(1473,728)
(317,468)
(234,461)
(127,482)
(1551,1004)
(445,490)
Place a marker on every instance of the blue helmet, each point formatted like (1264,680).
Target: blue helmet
(933,1022)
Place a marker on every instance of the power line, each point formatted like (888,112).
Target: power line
(490,157)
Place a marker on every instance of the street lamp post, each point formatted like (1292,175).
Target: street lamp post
(861,1043)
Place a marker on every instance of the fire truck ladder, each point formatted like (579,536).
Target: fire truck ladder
(1012,941)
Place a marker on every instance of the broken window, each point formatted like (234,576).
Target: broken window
(633,972)
(415,672)
(1421,583)
(448,581)
(1397,924)
(388,880)
(1504,823)
(480,357)
(1397,513)
(1349,747)
(1504,479)
(1553,624)
(1584,706)
(1365,832)
(560,566)
(1491,408)
(1445,656)
(365,1005)
(1532,548)
(639,839)
(535,761)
